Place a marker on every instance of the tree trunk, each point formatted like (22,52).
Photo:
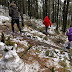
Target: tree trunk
(29,7)
(57,16)
(43,10)
(23,6)
(36,9)
(65,12)
(45,7)
(53,19)
(71,18)
(55,13)
(49,9)
(21,13)
(11,1)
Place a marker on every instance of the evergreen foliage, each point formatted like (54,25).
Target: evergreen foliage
(9,43)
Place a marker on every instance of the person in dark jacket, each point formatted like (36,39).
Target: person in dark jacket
(47,23)
(13,12)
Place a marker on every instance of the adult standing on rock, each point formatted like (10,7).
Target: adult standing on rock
(13,12)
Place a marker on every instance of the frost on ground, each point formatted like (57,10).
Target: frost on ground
(3,19)
(46,51)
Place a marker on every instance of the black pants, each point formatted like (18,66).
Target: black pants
(17,22)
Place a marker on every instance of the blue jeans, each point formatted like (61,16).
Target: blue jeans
(17,22)
(46,29)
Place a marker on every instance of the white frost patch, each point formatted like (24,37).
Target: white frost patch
(25,43)
(38,38)
(32,67)
(67,63)
(26,28)
(51,30)
(10,62)
(66,54)
(39,23)
(22,42)
(20,50)
(3,18)
(51,43)
(2,46)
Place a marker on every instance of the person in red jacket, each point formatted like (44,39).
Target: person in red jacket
(46,22)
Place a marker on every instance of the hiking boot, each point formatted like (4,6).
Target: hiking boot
(67,47)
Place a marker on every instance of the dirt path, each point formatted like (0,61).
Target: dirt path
(7,31)
(41,61)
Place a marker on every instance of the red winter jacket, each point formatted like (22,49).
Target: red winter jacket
(47,22)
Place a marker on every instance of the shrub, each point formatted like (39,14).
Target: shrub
(9,43)
(2,38)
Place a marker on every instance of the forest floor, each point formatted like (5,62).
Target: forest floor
(46,53)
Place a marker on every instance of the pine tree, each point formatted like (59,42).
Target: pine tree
(57,16)
(53,14)
(36,8)
(65,12)
(49,9)
(43,9)
(46,7)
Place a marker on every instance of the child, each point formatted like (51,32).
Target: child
(47,23)
(69,34)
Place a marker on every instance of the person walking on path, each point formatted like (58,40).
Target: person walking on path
(46,22)
(69,34)
(13,12)
(68,44)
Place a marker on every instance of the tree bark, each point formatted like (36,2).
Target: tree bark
(65,12)
(36,9)
(53,19)
(71,18)
(23,6)
(43,10)
(49,9)
(45,7)
(57,16)
(55,13)
(21,13)
(29,7)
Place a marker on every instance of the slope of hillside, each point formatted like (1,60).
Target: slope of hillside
(46,52)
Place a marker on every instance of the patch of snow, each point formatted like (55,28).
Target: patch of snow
(10,62)
(66,54)
(39,23)
(67,63)
(20,50)
(38,38)
(51,30)
(22,42)
(3,18)
(32,67)
(2,46)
